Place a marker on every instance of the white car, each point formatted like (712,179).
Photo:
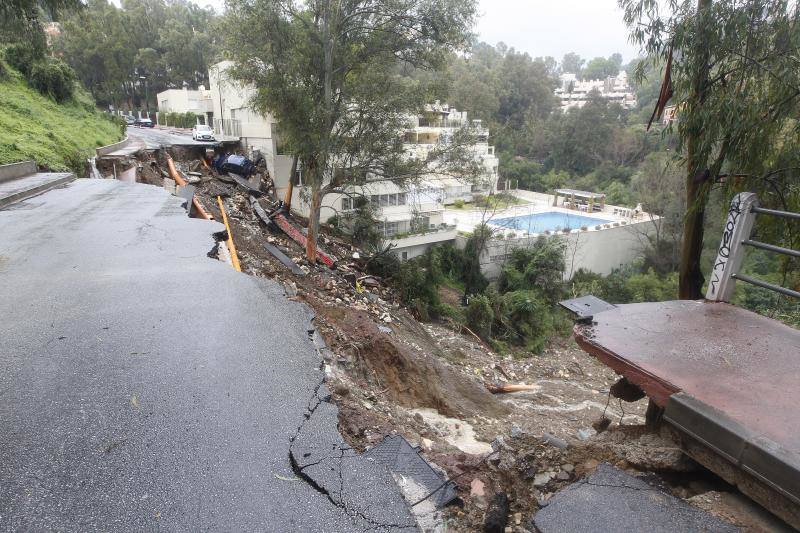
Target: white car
(202,132)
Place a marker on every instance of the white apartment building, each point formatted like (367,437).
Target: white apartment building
(575,93)
(197,101)
(436,126)
(412,219)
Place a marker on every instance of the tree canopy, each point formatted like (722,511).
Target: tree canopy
(327,70)
(732,71)
(111,48)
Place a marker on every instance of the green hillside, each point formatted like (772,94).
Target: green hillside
(56,136)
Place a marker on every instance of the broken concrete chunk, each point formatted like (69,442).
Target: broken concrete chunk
(613,501)
(403,460)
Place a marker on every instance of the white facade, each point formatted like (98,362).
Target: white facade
(436,126)
(185,101)
(575,93)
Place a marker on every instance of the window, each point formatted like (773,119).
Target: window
(392,199)
(405,256)
(373,200)
(390,228)
(384,200)
(347,203)
(401,199)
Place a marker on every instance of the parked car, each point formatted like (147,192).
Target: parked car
(129,120)
(143,123)
(203,132)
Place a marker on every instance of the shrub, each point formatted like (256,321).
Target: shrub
(538,268)
(22,57)
(458,204)
(584,228)
(598,227)
(480,316)
(53,78)
(180,120)
(526,318)
(565,230)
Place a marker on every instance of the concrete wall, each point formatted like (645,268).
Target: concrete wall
(599,251)
(107,149)
(13,171)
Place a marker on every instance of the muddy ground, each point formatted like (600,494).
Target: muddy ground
(390,373)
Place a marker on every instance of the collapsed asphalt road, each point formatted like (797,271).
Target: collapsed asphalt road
(144,385)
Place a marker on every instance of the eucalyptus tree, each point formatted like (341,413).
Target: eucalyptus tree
(731,67)
(327,71)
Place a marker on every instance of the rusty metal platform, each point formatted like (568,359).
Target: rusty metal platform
(730,378)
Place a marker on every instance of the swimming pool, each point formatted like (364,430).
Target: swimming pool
(548,220)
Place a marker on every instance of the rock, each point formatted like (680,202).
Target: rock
(542,478)
(568,468)
(562,476)
(590,465)
(477,492)
(516,431)
(517,518)
(497,514)
(290,288)
(555,441)
(586,433)
(384,329)
(477,488)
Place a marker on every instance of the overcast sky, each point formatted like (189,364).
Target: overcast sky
(590,28)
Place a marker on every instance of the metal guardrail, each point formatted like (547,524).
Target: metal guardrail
(735,237)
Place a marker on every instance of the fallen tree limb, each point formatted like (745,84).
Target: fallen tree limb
(502,388)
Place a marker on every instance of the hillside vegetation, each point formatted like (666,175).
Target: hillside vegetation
(56,136)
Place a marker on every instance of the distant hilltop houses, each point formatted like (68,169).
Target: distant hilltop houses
(575,93)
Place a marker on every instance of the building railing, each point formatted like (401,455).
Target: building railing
(736,235)
(229,127)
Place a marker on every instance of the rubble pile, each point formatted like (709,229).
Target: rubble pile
(507,454)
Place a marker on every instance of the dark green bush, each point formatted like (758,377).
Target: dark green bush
(539,268)
(480,316)
(22,57)
(53,78)
(179,120)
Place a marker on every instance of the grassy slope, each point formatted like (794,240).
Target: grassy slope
(56,136)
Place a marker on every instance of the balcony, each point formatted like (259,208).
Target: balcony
(442,233)
(229,127)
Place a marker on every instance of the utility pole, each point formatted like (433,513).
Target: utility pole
(146,99)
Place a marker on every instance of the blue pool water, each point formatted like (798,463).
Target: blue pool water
(549,220)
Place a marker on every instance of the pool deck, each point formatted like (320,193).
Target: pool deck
(466,220)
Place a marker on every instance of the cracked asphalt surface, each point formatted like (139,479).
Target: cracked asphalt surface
(144,385)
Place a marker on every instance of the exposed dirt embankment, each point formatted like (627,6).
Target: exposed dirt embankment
(408,370)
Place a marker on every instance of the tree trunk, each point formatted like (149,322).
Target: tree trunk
(690,283)
(313,221)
